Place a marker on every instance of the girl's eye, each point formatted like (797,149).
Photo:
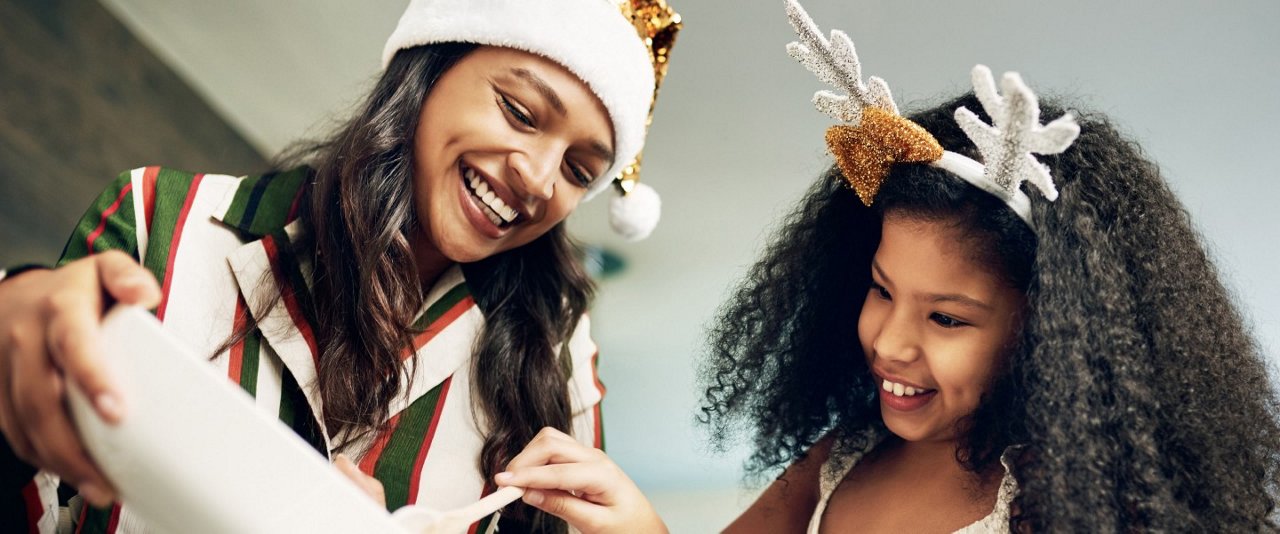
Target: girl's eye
(946,321)
(880,291)
(515,111)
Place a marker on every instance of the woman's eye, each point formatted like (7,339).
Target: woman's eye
(515,111)
(880,291)
(946,321)
(579,175)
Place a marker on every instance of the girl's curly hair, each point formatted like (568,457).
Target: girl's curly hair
(1138,396)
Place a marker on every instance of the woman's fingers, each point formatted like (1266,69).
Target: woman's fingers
(126,281)
(579,484)
(552,446)
(591,480)
(49,329)
(73,312)
(583,515)
(371,486)
(54,443)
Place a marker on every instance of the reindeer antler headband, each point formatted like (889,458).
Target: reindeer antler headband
(875,136)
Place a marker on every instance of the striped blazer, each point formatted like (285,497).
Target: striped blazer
(220,244)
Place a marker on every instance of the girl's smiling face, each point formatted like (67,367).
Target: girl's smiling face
(935,327)
(506,146)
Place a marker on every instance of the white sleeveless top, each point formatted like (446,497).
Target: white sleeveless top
(838,466)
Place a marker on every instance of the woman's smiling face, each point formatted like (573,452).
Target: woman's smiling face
(935,328)
(505,148)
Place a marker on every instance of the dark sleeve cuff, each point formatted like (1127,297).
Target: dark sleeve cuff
(14,473)
(19,269)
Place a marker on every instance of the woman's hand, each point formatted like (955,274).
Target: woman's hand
(371,486)
(49,321)
(581,485)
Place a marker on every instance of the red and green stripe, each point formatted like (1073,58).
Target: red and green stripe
(598,440)
(32,507)
(242,368)
(295,412)
(293,288)
(264,204)
(440,315)
(399,466)
(149,176)
(107,224)
(95,520)
(171,245)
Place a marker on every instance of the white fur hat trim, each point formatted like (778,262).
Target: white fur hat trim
(590,38)
(634,215)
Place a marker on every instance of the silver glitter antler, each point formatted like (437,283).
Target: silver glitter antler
(1008,145)
(835,63)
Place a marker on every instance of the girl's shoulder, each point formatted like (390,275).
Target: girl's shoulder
(848,451)
(786,504)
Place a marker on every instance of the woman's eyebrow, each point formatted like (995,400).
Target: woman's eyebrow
(542,88)
(600,149)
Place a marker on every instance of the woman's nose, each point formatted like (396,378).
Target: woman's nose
(535,173)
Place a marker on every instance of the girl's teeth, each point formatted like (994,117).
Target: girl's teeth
(488,197)
(901,390)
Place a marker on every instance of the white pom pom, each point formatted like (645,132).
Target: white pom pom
(635,215)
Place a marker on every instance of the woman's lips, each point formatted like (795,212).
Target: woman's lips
(474,211)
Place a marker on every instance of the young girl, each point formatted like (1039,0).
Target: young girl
(932,349)
(408,298)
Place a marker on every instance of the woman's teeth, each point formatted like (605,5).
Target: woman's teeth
(499,213)
(900,390)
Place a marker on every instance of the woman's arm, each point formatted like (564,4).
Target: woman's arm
(49,321)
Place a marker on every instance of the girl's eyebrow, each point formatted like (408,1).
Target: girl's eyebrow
(957,298)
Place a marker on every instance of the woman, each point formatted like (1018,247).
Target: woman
(407,298)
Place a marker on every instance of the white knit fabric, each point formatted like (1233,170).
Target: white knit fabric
(590,38)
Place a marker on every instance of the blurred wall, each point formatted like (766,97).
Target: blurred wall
(80,101)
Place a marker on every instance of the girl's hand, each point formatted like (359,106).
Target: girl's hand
(49,322)
(581,485)
(371,486)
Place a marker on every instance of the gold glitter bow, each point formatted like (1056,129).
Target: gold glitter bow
(866,152)
(657,24)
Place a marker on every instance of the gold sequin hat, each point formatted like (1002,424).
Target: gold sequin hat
(875,136)
(619,48)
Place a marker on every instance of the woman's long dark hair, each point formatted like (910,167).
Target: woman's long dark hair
(359,212)
(1136,392)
